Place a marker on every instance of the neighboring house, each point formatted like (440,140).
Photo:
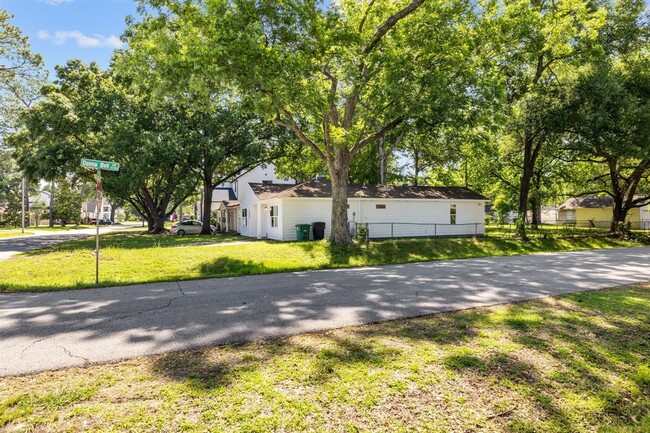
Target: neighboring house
(549,215)
(596,211)
(88,210)
(268,207)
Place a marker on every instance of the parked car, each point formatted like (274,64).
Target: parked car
(189,227)
(102,222)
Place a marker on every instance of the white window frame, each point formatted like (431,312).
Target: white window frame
(244,217)
(274,212)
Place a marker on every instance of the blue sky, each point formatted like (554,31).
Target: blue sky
(71,29)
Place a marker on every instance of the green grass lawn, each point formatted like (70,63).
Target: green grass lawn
(130,258)
(572,364)
(11,233)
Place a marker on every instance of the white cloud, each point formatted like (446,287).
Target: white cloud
(56,2)
(83,41)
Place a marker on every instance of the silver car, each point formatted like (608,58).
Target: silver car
(189,227)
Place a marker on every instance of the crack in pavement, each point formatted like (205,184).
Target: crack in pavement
(72,355)
(104,322)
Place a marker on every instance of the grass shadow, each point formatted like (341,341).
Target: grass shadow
(226,267)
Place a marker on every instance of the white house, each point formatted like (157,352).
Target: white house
(229,199)
(268,207)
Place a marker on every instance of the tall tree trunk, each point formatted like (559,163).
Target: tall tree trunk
(381,150)
(619,214)
(207,206)
(535,212)
(150,223)
(112,203)
(416,167)
(530,156)
(155,217)
(340,234)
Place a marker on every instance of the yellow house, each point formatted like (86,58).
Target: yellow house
(597,212)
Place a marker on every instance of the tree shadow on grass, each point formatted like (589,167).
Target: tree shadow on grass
(194,369)
(226,266)
(324,359)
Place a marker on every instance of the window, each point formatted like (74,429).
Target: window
(380,206)
(244,217)
(274,216)
(452,214)
(106,209)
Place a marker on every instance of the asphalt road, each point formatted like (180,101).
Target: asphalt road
(20,244)
(62,329)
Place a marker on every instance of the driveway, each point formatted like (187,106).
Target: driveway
(63,329)
(20,244)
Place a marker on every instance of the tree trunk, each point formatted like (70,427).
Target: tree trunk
(416,167)
(155,218)
(340,234)
(619,214)
(382,160)
(524,186)
(112,218)
(535,211)
(207,206)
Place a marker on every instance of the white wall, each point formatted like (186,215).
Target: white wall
(303,211)
(421,217)
(432,216)
(248,200)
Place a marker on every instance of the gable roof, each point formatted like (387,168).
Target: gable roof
(229,191)
(591,202)
(323,189)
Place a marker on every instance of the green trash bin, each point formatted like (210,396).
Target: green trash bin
(302,232)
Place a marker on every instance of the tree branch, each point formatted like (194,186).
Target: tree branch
(365,15)
(390,23)
(291,124)
(376,136)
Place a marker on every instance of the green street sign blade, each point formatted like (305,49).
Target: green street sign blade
(100,165)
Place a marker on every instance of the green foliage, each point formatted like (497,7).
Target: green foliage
(13,209)
(607,113)
(21,74)
(67,207)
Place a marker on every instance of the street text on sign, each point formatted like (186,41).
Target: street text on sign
(100,165)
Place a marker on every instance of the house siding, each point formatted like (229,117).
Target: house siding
(416,217)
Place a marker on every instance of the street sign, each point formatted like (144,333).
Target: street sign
(100,165)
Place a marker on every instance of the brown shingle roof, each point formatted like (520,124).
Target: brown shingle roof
(588,202)
(323,189)
(268,190)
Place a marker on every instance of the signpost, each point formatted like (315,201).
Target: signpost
(99,166)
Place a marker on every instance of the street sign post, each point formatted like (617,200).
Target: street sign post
(99,166)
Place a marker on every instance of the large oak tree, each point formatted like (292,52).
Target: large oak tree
(338,75)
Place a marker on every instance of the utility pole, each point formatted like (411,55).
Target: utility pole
(22,213)
(51,215)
